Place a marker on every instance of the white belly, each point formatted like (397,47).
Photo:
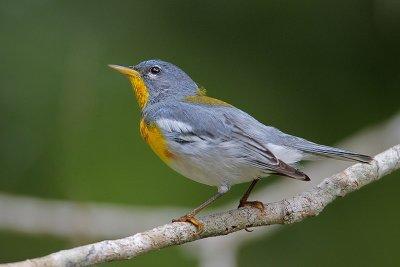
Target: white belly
(214,166)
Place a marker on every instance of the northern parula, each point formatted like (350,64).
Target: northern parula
(210,141)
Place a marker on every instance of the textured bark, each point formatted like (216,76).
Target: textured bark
(290,210)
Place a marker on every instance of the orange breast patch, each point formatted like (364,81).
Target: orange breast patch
(154,137)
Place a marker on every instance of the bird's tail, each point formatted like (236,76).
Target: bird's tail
(332,152)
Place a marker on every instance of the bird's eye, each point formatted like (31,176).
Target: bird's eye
(155,70)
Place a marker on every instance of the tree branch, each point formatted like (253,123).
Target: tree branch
(290,210)
(223,252)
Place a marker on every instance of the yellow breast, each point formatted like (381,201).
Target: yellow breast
(154,137)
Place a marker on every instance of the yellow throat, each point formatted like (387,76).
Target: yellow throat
(139,87)
(150,132)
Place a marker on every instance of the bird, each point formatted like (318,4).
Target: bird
(212,142)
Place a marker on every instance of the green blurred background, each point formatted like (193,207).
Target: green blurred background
(69,125)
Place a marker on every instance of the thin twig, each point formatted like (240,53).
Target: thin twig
(290,210)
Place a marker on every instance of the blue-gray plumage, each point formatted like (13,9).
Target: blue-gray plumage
(213,142)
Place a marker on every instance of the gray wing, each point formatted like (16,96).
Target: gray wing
(271,135)
(310,148)
(272,164)
(186,122)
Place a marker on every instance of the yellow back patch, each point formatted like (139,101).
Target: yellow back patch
(140,89)
(201,91)
(154,137)
(206,100)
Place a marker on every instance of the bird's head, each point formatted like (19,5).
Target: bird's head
(155,80)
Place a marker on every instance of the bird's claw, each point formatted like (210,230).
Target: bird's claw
(192,220)
(254,204)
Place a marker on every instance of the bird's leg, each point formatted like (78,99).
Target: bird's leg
(190,217)
(255,204)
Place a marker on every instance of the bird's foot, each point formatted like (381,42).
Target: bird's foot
(254,204)
(191,219)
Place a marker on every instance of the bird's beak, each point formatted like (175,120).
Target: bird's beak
(125,70)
